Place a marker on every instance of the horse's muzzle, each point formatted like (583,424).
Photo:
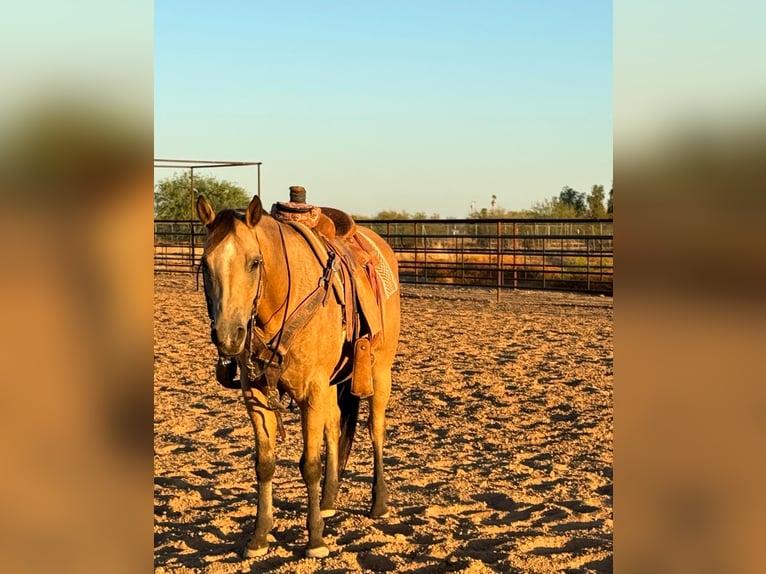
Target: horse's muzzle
(230,342)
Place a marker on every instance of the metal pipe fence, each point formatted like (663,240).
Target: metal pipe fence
(555,254)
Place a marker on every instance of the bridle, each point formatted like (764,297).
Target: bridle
(258,346)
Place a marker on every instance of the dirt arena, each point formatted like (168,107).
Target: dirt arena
(499,444)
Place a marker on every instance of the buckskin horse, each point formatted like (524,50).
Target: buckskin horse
(314,315)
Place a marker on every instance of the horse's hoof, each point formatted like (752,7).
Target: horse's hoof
(257,546)
(327,512)
(255,552)
(318,552)
(380,512)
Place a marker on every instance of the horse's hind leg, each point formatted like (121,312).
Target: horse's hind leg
(377,427)
(331,476)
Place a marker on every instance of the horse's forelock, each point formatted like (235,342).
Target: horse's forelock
(222,226)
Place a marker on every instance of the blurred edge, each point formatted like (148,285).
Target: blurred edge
(75,178)
(690,329)
(76,146)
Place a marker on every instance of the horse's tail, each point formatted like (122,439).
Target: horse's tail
(349,414)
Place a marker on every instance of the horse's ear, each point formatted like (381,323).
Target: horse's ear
(204,211)
(254,211)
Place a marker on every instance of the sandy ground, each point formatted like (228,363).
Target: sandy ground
(499,444)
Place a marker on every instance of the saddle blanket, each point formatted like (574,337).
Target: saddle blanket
(382,269)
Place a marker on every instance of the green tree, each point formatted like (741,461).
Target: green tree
(553,208)
(574,199)
(172,200)
(392,214)
(595,201)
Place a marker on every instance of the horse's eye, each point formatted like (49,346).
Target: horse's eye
(254,263)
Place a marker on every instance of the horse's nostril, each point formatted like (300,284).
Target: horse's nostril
(228,338)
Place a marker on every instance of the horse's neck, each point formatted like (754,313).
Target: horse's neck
(278,278)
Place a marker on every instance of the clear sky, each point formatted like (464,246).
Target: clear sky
(419,105)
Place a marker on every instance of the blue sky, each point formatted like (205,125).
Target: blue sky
(417,106)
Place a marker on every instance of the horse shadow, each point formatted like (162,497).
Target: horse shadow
(201,535)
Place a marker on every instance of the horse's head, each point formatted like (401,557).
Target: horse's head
(232,269)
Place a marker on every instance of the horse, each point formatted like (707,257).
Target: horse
(276,307)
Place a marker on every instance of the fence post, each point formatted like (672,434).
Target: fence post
(191,220)
(544,272)
(425,252)
(601,258)
(499,258)
(456,255)
(561,274)
(515,248)
(415,247)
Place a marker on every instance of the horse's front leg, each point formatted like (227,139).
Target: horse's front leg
(313,421)
(265,428)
